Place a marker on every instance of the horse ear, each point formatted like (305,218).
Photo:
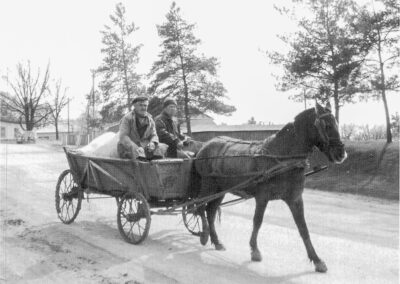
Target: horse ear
(318,109)
(328,106)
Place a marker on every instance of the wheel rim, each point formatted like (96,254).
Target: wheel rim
(68,198)
(192,220)
(134,218)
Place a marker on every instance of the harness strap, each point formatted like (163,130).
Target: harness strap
(279,157)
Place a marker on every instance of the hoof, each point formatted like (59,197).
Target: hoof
(256,256)
(321,267)
(220,247)
(204,238)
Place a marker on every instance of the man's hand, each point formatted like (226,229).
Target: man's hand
(151,147)
(179,145)
(187,140)
(140,152)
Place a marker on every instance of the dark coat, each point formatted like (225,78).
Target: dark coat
(169,133)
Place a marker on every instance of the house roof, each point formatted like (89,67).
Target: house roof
(229,128)
(201,116)
(9,120)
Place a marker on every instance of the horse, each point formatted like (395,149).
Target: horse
(314,127)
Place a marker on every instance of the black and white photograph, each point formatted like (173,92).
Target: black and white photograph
(204,142)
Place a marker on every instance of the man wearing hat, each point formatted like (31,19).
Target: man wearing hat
(169,132)
(137,133)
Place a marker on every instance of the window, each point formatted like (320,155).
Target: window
(3,132)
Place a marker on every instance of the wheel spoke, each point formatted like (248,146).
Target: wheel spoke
(143,228)
(63,209)
(197,225)
(63,205)
(191,219)
(123,207)
(68,212)
(126,221)
(130,230)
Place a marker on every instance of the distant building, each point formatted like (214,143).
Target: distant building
(10,129)
(244,132)
(49,132)
(204,128)
(200,120)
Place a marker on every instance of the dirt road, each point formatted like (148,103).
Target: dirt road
(357,237)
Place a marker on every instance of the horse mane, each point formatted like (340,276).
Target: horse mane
(307,114)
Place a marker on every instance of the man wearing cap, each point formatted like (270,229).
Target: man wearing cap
(137,133)
(169,132)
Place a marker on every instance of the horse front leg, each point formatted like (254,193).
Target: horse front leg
(212,208)
(205,233)
(297,209)
(261,205)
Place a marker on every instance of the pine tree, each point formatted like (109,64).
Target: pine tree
(120,80)
(183,74)
(383,28)
(326,54)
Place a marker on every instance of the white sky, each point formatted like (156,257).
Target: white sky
(66,34)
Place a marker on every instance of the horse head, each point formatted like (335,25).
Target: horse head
(322,131)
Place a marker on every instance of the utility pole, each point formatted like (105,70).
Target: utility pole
(68,114)
(93,95)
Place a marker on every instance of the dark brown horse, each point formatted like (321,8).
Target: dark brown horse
(313,127)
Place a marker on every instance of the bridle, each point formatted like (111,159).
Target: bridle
(328,142)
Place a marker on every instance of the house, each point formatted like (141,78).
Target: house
(10,129)
(200,120)
(245,132)
(204,128)
(49,132)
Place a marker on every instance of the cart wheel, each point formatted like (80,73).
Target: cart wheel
(133,217)
(68,198)
(192,220)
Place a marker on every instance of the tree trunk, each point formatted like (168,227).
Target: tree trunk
(383,90)
(336,100)
(126,82)
(56,125)
(186,91)
(187,115)
(32,117)
(388,130)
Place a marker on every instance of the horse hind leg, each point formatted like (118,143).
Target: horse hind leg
(297,209)
(261,205)
(205,190)
(212,208)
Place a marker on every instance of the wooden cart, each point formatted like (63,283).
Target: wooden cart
(142,189)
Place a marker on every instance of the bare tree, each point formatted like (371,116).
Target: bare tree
(28,98)
(58,102)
